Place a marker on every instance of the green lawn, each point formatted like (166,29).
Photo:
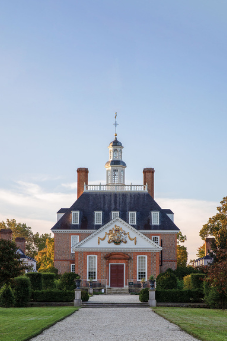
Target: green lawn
(23,323)
(205,324)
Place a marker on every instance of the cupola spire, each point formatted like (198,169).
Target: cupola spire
(115,124)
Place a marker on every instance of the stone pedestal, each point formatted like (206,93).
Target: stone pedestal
(77,301)
(152,300)
(90,291)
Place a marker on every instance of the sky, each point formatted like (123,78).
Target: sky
(67,66)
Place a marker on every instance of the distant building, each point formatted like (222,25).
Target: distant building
(207,259)
(115,233)
(20,242)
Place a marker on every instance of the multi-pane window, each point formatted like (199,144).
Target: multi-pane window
(74,241)
(115,214)
(141,267)
(73,268)
(155,239)
(155,218)
(122,176)
(92,267)
(98,217)
(75,217)
(132,218)
(115,154)
(115,176)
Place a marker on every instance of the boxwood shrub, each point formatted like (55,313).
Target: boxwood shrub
(53,295)
(179,296)
(36,280)
(48,280)
(197,281)
(7,298)
(144,295)
(22,290)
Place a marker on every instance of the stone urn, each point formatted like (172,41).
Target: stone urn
(78,281)
(152,282)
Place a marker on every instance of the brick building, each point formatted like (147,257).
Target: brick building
(115,233)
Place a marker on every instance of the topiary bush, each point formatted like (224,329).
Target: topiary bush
(144,295)
(166,280)
(22,290)
(7,298)
(187,282)
(36,280)
(197,280)
(84,295)
(67,281)
(48,280)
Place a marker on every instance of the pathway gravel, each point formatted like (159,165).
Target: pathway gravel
(114,324)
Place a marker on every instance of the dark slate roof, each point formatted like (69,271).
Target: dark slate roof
(62,210)
(167,211)
(115,143)
(22,255)
(115,163)
(88,202)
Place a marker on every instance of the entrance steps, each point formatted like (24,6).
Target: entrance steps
(117,291)
(113,305)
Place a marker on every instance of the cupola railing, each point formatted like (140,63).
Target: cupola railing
(116,188)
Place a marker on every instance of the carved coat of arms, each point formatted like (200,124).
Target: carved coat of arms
(117,236)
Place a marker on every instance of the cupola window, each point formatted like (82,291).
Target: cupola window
(115,176)
(115,154)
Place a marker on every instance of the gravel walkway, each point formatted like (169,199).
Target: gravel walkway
(118,324)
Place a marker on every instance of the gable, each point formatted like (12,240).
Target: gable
(117,235)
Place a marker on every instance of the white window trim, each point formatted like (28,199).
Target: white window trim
(72,244)
(88,267)
(97,223)
(74,214)
(129,217)
(153,237)
(115,212)
(153,214)
(138,267)
(72,268)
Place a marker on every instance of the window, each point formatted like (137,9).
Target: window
(115,176)
(74,241)
(132,218)
(115,214)
(115,154)
(122,176)
(110,154)
(73,268)
(98,218)
(155,239)
(155,218)
(92,267)
(108,176)
(75,217)
(141,267)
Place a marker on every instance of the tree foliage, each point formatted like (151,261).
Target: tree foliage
(45,257)
(201,251)
(34,242)
(10,264)
(182,254)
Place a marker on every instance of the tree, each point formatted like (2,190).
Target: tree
(182,254)
(45,257)
(40,240)
(201,251)
(21,230)
(217,227)
(10,264)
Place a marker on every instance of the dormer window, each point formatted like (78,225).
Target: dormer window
(132,218)
(98,218)
(75,217)
(155,218)
(115,214)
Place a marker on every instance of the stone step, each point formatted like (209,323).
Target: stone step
(114,305)
(117,291)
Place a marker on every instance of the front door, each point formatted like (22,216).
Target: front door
(117,275)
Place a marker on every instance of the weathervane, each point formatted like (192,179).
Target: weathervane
(115,124)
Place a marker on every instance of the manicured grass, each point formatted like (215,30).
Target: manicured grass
(205,324)
(23,323)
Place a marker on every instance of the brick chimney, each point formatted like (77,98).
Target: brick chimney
(208,243)
(6,234)
(82,177)
(148,178)
(20,243)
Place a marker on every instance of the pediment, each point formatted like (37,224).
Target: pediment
(117,235)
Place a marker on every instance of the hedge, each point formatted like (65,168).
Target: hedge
(197,280)
(22,290)
(36,280)
(7,298)
(48,280)
(179,296)
(53,295)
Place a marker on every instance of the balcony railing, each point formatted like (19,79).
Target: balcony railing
(116,188)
